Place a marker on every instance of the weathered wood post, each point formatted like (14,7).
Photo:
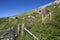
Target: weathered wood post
(51,15)
(22,30)
(9,34)
(42,18)
(18,28)
(13,34)
(43,13)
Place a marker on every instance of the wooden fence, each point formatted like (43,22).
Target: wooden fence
(8,32)
(23,28)
(11,32)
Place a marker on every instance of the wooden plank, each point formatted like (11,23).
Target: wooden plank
(5,30)
(31,33)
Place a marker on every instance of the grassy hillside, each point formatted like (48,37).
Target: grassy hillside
(47,31)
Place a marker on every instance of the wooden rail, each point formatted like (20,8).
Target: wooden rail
(31,33)
(24,28)
(9,31)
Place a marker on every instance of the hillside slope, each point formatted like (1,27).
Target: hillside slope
(47,31)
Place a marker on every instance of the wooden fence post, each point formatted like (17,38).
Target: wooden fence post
(13,33)
(22,30)
(51,15)
(18,28)
(42,18)
(9,34)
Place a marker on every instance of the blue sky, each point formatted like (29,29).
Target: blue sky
(13,7)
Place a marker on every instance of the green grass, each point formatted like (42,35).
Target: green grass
(48,31)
